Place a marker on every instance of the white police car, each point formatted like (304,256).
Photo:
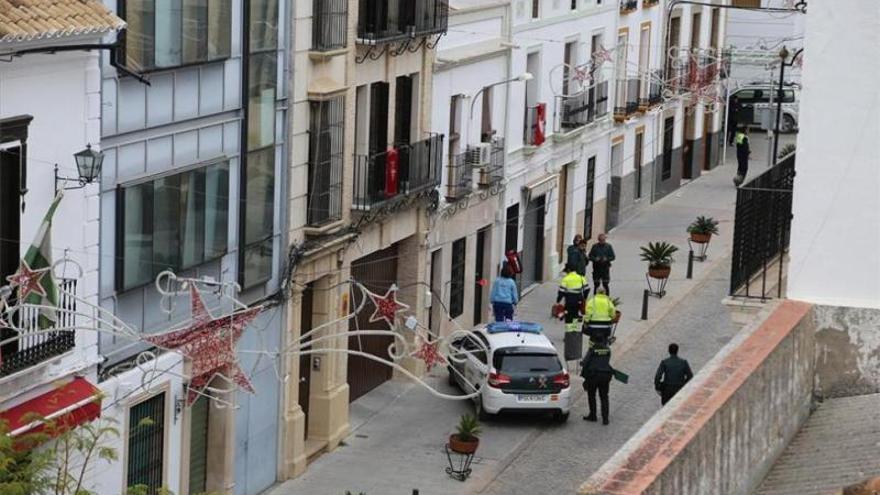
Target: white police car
(521,372)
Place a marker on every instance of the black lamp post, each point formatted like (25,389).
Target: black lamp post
(88,166)
(783,55)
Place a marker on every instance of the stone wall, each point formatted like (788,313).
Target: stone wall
(847,351)
(725,429)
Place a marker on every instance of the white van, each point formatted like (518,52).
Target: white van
(754,100)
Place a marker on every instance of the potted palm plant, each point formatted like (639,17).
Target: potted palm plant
(465,439)
(702,228)
(659,258)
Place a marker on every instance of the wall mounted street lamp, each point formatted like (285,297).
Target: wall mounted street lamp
(88,166)
(525,76)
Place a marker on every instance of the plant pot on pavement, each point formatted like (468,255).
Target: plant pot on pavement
(659,272)
(617,315)
(456,444)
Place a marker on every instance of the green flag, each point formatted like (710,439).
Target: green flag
(621,376)
(38,257)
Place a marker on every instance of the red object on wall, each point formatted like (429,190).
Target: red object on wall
(513,261)
(52,413)
(392,166)
(541,121)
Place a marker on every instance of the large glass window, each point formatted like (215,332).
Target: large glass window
(259,201)
(264,25)
(169,33)
(174,222)
(262,79)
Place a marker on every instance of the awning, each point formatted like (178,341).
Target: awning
(539,188)
(67,406)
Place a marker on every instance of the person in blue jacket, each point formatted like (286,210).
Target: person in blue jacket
(504,295)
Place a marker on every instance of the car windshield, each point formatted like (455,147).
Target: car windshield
(526,362)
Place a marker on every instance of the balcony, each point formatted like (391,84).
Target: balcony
(488,160)
(650,91)
(535,128)
(329,25)
(687,73)
(399,173)
(387,21)
(627,98)
(324,192)
(583,108)
(460,176)
(35,345)
(628,6)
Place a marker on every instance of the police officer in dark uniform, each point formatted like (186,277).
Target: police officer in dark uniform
(672,374)
(597,372)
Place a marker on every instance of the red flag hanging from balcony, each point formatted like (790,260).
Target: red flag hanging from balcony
(392,167)
(540,121)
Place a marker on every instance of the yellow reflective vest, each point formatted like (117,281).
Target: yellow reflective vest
(600,308)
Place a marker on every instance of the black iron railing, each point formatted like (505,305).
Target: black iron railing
(650,90)
(583,108)
(382,21)
(460,177)
(34,344)
(762,230)
(329,24)
(325,191)
(491,172)
(627,6)
(397,173)
(627,98)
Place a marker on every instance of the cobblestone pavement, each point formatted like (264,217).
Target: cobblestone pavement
(398,430)
(560,459)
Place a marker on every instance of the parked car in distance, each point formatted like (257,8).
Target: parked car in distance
(754,99)
(515,368)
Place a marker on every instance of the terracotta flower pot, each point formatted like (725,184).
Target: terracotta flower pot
(617,315)
(659,271)
(700,238)
(461,446)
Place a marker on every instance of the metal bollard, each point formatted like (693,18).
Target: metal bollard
(645,296)
(690,273)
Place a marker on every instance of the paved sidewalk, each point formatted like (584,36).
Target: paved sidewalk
(399,429)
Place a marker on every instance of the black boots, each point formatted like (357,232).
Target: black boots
(590,417)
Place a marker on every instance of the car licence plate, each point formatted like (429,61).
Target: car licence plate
(531,398)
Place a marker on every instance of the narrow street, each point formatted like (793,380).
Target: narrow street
(399,429)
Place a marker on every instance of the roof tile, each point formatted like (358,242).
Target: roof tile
(23,20)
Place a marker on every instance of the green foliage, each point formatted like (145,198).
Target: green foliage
(703,225)
(658,254)
(616,302)
(786,150)
(468,428)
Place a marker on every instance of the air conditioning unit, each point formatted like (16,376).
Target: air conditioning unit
(480,155)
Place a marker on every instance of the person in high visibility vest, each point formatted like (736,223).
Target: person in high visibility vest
(572,290)
(598,316)
(743,150)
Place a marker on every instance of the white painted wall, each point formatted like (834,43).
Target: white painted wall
(751,30)
(62,93)
(836,227)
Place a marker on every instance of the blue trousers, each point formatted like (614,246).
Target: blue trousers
(503,311)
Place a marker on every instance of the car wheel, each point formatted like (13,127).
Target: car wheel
(452,381)
(561,417)
(481,413)
(788,124)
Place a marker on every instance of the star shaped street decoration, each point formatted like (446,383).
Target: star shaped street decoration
(429,354)
(601,55)
(28,281)
(387,306)
(210,344)
(582,74)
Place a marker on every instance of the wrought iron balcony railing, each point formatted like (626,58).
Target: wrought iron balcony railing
(397,173)
(627,6)
(583,108)
(460,176)
(650,90)
(324,192)
(384,21)
(35,345)
(627,98)
(488,160)
(535,129)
